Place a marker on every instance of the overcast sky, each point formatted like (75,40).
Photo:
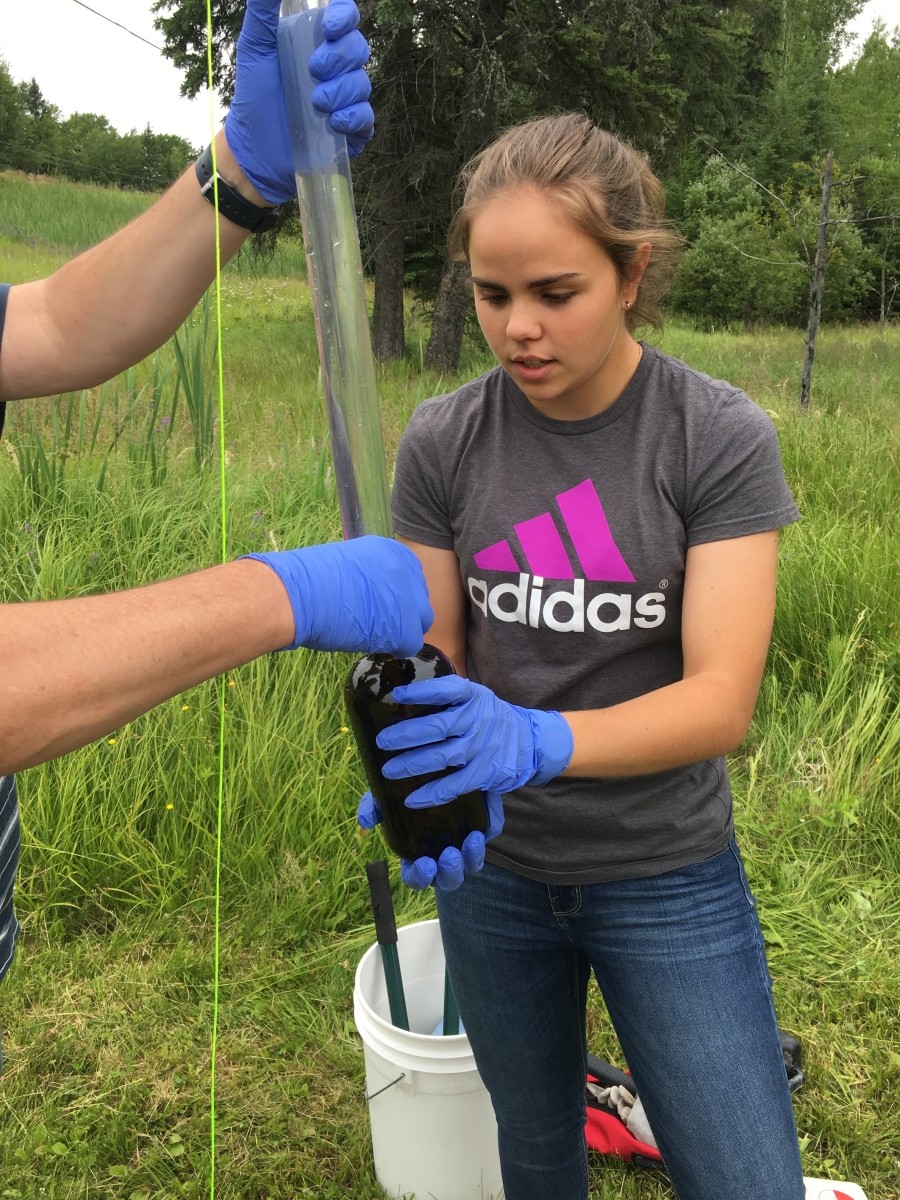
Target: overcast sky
(887,11)
(84,63)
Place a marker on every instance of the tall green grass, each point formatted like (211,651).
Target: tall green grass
(106,1016)
(56,214)
(60,217)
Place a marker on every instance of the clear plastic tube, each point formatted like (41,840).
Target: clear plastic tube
(334,264)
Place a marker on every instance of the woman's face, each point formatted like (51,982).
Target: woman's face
(551,305)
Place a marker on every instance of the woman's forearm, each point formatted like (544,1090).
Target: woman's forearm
(700,717)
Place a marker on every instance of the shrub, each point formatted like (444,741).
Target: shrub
(740,271)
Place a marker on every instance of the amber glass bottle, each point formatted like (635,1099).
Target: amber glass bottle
(368,693)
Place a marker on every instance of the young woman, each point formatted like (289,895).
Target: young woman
(598,526)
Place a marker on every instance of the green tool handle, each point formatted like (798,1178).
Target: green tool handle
(451,1013)
(394,981)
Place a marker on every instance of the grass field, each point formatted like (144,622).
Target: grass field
(107,1012)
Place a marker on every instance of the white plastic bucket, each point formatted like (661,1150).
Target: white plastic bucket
(434,1135)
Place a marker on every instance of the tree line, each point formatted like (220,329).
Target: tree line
(738,104)
(37,139)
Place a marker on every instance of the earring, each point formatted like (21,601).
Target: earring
(628,303)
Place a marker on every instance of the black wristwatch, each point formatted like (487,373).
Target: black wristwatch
(232,204)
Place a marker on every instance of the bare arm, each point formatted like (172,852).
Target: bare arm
(75,669)
(448,631)
(729,604)
(120,300)
(116,303)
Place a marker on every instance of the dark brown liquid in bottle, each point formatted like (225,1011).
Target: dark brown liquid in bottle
(410,832)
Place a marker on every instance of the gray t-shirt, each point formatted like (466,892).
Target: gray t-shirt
(571,538)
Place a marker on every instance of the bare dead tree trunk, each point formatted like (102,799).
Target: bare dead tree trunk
(486,87)
(387,316)
(887,286)
(449,321)
(882,305)
(817,284)
(391,179)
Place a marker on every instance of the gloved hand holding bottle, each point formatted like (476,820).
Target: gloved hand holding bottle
(447,872)
(495,747)
(256,126)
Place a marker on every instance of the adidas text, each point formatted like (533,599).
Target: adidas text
(565,610)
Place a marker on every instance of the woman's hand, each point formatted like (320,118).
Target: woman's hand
(495,746)
(447,872)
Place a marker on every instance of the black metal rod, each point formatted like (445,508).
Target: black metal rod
(386,935)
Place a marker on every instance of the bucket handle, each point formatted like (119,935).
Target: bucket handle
(372,1095)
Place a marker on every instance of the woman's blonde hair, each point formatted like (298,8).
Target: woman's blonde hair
(603,185)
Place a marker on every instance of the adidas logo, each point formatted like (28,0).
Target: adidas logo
(592,540)
(564,610)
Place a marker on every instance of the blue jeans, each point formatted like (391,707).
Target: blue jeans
(680,961)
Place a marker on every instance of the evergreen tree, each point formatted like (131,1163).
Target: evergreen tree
(39,143)
(865,97)
(448,75)
(12,113)
(755,78)
(796,119)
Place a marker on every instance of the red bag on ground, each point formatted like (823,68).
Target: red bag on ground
(604,1129)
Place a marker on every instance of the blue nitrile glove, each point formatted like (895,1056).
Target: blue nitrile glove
(368,594)
(448,871)
(344,88)
(256,127)
(497,746)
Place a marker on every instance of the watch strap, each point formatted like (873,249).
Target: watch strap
(232,205)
